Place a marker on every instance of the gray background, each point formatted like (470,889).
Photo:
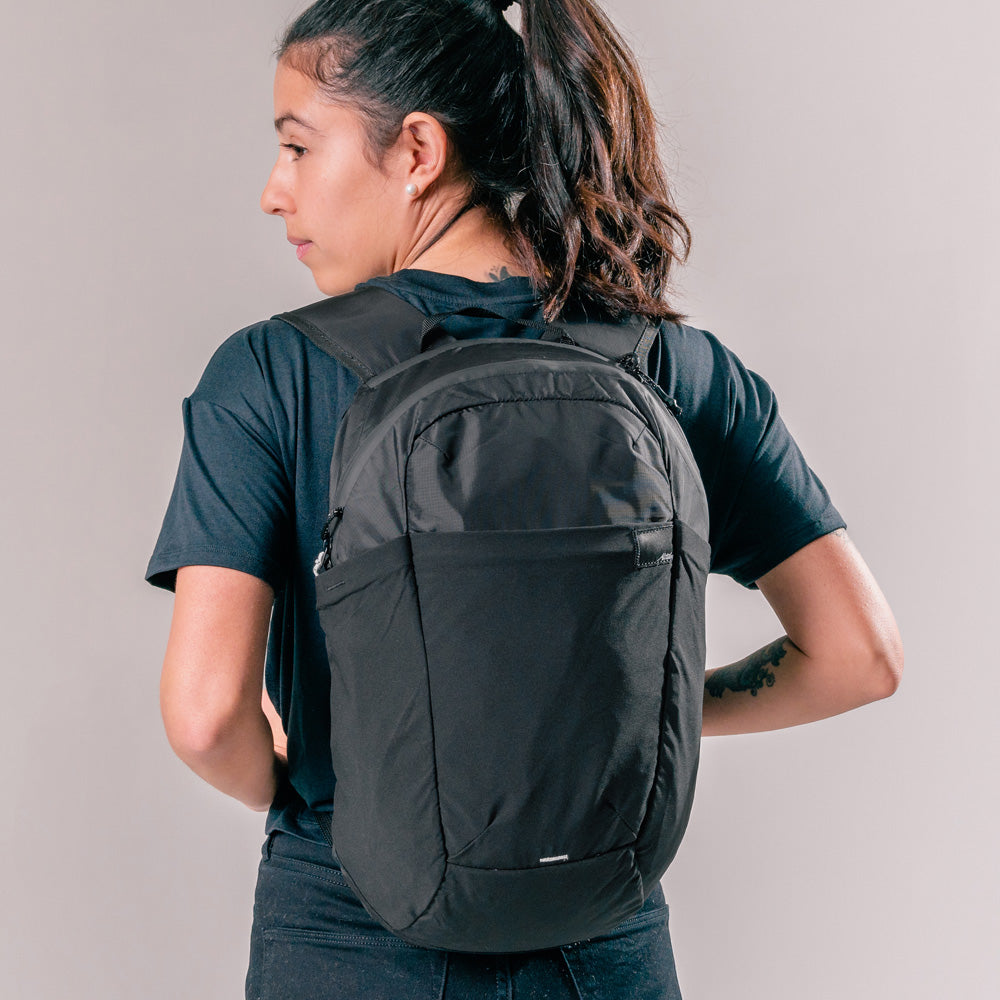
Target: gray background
(838,164)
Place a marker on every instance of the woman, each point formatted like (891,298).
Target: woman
(429,148)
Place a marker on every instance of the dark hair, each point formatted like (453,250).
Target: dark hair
(552,128)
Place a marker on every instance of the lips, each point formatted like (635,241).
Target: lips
(301,246)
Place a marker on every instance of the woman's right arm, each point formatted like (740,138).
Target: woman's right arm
(841,649)
(212,671)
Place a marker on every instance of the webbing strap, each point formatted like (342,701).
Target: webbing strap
(646,341)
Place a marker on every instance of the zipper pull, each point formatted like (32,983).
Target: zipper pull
(630,362)
(325,558)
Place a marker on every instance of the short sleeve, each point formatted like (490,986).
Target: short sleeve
(777,504)
(231,503)
(765,501)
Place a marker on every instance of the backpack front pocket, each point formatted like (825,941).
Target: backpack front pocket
(545,663)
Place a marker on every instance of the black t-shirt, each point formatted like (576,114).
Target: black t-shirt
(251,489)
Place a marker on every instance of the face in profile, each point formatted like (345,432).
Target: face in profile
(342,215)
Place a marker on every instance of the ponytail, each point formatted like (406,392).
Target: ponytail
(597,223)
(552,129)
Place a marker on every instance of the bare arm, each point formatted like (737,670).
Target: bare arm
(841,649)
(277,729)
(210,688)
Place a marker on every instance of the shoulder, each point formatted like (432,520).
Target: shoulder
(251,361)
(271,366)
(708,379)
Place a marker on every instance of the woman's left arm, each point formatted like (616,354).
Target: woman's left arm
(210,688)
(842,648)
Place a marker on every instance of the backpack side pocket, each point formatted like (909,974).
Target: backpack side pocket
(386,821)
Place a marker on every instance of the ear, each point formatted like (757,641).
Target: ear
(423,147)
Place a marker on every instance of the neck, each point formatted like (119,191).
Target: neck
(471,246)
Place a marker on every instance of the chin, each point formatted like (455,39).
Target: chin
(329,286)
(339,283)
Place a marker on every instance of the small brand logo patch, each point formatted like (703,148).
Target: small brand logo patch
(653,546)
(558,857)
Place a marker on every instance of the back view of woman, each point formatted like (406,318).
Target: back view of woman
(429,149)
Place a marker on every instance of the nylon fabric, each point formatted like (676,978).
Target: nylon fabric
(594,479)
(564,669)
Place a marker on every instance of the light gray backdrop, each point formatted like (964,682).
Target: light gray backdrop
(838,164)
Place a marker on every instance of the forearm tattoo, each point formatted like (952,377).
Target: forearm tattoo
(749,675)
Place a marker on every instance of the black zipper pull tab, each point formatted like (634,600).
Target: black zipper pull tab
(325,558)
(631,364)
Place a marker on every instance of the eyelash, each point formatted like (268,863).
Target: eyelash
(297,150)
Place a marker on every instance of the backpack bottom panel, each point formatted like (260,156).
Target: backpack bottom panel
(489,910)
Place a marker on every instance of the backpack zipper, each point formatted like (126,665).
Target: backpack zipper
(631,364)
(325,558)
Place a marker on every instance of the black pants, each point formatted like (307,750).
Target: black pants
(313,940)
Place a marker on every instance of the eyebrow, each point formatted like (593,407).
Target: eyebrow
(290,119)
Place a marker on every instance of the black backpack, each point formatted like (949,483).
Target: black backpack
(512,587)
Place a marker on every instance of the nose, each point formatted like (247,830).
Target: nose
(276,198)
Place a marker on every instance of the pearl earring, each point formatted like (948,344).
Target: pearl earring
(411,189)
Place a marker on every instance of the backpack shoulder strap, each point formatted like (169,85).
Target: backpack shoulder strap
(369,330)
(635,335)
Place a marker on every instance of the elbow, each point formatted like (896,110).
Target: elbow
(877,658)
(190,740)
(193,732)
(199,713)
(886,671)
(190,743)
